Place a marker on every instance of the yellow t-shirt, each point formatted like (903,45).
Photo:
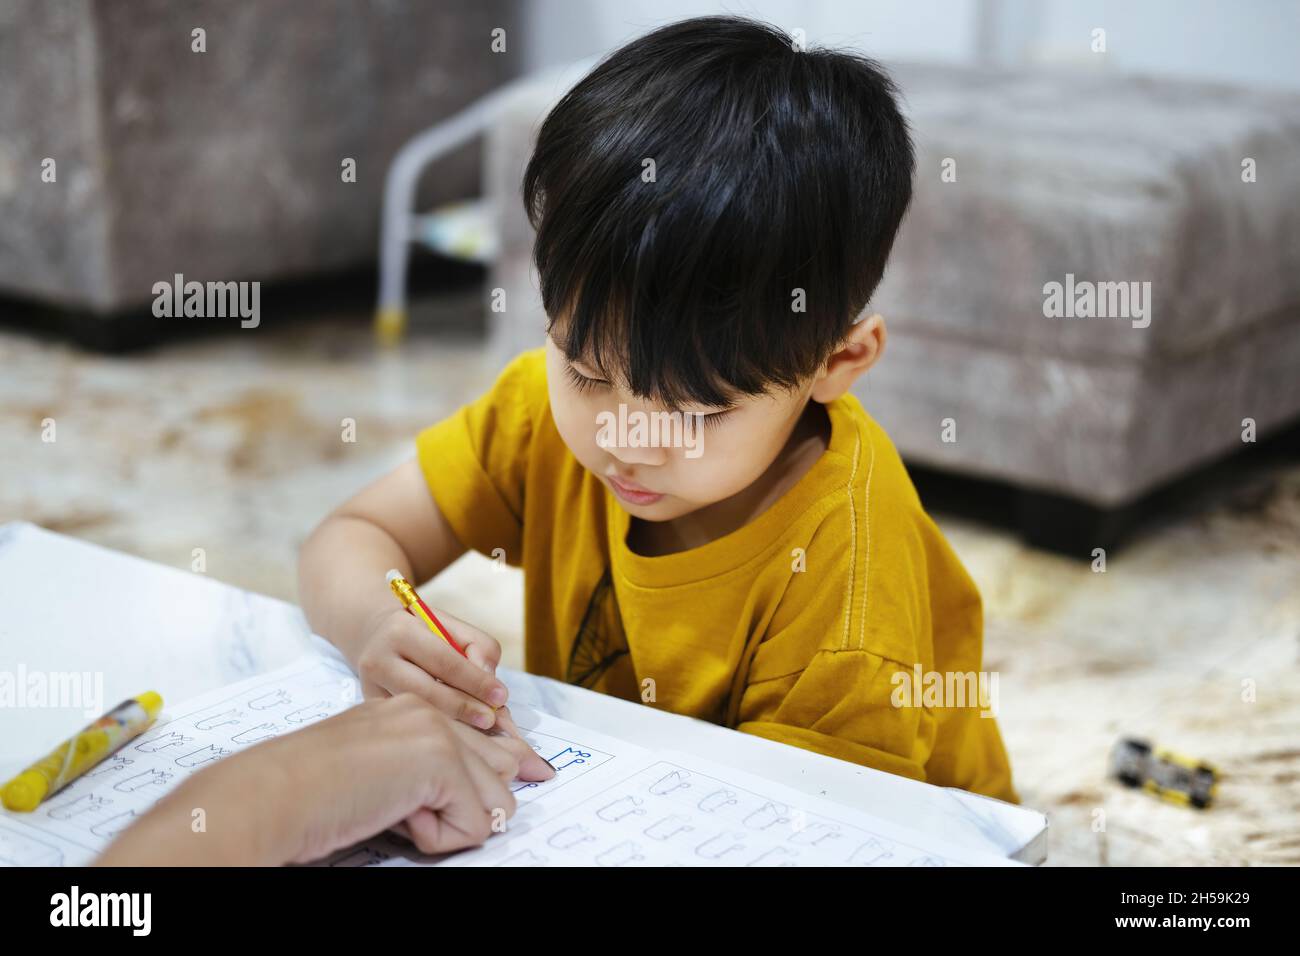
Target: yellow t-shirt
(733,632)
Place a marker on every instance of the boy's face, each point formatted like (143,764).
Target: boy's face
(715,456)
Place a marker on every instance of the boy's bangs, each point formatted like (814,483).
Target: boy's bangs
(693,347)
(712,209)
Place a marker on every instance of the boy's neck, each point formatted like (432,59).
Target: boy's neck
(808,439)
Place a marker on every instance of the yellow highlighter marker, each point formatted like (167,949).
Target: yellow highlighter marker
(74,757)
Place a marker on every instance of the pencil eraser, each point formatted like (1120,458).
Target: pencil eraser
(393,575)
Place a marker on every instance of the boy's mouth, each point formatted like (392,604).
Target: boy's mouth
(632,493)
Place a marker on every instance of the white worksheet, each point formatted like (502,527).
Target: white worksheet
(612,803)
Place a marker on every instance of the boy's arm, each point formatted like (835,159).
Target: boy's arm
(392,523)
(395,523)
(473,464)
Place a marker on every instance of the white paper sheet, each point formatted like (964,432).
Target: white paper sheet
(612,803)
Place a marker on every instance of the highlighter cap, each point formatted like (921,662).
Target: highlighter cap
(151,702)
(25,792)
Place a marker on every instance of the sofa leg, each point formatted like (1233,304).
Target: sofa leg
(1069,526)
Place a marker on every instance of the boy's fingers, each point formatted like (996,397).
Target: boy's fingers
(436,657)
(400,676)
(506,722)
(482,649)
(478,655)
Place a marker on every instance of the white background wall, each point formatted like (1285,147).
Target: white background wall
(1251,42)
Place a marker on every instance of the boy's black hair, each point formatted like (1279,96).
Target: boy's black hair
(774,170)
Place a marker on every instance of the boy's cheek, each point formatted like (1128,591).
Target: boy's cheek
(577,427)
(717,474)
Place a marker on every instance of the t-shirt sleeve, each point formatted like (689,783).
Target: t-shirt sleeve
(832,681)
(838,705)
(476,461)
(810,685)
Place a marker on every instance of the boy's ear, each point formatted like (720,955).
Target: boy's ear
(860,350)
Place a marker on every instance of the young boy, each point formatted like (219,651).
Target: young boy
(713,207)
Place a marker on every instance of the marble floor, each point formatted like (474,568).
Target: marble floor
(234,445)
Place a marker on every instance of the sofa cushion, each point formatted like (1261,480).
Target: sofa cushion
(1105,178)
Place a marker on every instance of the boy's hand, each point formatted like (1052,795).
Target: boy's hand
(400,655)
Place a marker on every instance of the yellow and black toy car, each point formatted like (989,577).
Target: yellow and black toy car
(1168,775)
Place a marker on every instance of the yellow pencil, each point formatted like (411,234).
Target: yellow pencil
(411,601)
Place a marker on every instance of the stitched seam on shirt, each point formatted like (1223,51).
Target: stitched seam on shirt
(866,570)
(853,551)
(833,651)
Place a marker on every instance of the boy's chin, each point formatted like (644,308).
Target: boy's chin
(665,509)
(651,512)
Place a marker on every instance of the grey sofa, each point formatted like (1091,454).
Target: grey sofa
(224,164)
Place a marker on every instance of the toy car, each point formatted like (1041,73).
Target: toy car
(1171,776)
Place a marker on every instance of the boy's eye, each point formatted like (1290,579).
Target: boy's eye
(714,419)
(583,383)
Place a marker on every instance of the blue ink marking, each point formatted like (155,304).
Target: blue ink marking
(580,756)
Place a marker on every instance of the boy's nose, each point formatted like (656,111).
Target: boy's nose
(630,433)
(636,454)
